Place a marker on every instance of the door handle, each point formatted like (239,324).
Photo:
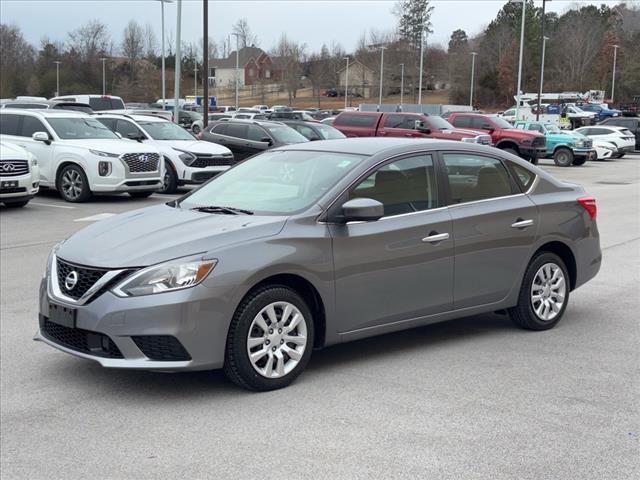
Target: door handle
(519,223)
(436,237)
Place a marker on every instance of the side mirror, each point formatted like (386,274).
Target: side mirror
(421,127)
(134,136)
(362,210)
(267,140)
(41,137)
(487,127)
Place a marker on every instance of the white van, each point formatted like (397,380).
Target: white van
(97,102)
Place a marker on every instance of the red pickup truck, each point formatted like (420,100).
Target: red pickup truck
(413,125)
(527,144)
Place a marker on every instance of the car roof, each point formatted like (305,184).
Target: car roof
(372,145)
(49,112)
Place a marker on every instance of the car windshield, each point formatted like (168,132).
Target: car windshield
(551,128)
(78,128)
(275,182)
(327,132)
(439,123)
(285,134)
(165,131)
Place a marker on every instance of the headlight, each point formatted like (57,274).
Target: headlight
(166,277)
(104,154)
(186,157)
(54,250)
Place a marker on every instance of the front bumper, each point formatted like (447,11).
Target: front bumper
(626,149)
(198,318)
(533,151)
(590,153)
(129,185)
(201,175)
(27,187)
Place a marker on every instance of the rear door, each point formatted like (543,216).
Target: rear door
(494,227)
(396,268)
(357,124)
(398,125)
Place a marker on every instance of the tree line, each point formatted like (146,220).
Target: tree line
(579,56)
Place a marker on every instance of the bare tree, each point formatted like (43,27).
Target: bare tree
(291,54)
(150,41)
(90,40)
(245,37)
(133,44)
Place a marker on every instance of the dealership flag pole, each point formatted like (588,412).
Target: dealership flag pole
(176,89)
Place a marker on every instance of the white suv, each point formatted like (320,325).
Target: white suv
(78,156)
(19,175)
(187,160)
(97,102)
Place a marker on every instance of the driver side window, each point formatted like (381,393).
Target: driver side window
(128,129)
(404,186)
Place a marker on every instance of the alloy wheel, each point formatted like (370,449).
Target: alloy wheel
(72,184)
(548,291)
(277,339)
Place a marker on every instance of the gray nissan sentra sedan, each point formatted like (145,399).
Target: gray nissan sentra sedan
(314,244)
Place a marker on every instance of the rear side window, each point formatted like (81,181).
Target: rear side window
(394,121)
(100,103)
(481,123)
(462,122)
(110,123)
(356,120)
(31,125)
(472,177)
(9,124)
(255,133)
(220,129)
(236,130)
(599,131)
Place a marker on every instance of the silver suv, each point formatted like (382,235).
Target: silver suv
(319,243)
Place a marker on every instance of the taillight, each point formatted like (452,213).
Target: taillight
(589,204)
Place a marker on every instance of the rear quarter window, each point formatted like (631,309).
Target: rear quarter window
(9,124)
(462,122)
(524,177)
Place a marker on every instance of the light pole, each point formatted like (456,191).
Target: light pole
(104,88)
(237,35)
(544,39)
(195,82)
(613,80)
(176,89)
(346,83)
(164,92)
(58,63)
(401,84)
(382,49)
(421,67)
(473,71)
(524,8)
(205,62)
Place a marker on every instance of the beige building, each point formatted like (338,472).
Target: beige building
(361,78)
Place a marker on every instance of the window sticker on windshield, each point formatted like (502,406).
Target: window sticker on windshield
(344,163)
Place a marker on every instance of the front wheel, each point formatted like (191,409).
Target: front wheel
(512,151)
(73,184)
(579,161)
(170,180)
(544,293)
(563,157)
(270,339)
(195,129)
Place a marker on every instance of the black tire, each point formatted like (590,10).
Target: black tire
(81,192)
(533,160)
(18,204)
(563,157)
(140,194)
(195,129)
(523,314)
(620,155)
(170,180)
(579,161)
(512,151)
(237,365)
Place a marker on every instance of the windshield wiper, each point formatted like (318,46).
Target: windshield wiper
(223,210)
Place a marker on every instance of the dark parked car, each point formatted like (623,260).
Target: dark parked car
(630,123)
(187,117)
(315,130)
(248,137)
(316,244)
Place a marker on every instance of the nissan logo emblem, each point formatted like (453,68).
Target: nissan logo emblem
(8,167)
(71,280)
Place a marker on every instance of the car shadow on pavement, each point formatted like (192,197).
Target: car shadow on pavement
(49,193)
(187,386)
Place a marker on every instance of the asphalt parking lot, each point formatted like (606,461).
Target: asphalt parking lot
(474,398)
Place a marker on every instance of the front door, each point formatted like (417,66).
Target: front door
(401,266)
(494,227)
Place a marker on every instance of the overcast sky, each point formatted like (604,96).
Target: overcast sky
(313,22)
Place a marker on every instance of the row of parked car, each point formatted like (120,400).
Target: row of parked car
(142,151)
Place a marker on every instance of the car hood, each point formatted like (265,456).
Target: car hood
(116,146)
(193,146)
(13,152)
(160,233)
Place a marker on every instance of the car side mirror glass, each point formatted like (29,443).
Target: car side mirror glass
(421,127)
(267,140)
(41,137)
(362,210)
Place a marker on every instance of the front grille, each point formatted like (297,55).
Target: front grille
(86,278)
(141,183)
(80,340)
(141,162)
(203,161)
(539,142)
(161,347)
(13,190)
(587,143)
(13,168)
(484,139)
